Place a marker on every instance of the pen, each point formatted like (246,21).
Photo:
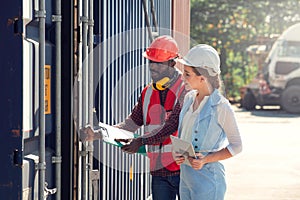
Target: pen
(196,157)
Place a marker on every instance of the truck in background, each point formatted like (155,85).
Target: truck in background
(278,82)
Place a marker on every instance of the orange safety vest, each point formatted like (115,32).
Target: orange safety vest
(155,115)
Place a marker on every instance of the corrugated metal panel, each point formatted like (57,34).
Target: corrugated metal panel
(122,76)
(121,73)
(163,14)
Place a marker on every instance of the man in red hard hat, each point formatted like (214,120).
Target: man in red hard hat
(158,111)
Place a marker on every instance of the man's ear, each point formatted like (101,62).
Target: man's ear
(172,63)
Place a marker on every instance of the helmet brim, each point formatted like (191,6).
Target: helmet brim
(185,62)
(152,58)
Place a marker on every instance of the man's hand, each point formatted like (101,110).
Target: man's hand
(87,133)
(124,140)
(133,146)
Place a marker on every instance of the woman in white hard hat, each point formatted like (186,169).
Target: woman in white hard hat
(206,120)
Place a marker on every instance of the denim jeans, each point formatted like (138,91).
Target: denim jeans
(208,183)
(165,188)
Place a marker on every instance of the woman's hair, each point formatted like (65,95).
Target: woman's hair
(215,81)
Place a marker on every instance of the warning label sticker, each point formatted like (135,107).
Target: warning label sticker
(47,89)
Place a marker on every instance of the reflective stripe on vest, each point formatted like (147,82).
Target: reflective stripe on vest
(157,148)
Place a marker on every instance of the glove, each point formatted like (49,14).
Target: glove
(87,133)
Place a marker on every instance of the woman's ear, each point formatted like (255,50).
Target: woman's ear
(202,78)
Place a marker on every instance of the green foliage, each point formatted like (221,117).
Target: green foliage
(231,26)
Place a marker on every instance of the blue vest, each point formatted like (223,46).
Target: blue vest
(207,134)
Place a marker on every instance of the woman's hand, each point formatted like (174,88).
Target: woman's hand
(179,158)
(198,162)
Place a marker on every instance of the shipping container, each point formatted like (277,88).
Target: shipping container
(66,64)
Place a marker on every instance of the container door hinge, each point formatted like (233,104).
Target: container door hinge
(56,18)
(56,159)
(40,166)
(82,153)
(39,14)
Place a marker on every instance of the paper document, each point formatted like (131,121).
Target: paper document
(111,133)
(183,147)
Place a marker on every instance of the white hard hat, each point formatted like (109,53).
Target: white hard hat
(204,56)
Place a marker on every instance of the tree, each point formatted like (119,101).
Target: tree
(231,26)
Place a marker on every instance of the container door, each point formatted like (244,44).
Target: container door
(11,100)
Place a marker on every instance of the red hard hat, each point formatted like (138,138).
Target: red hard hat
(162,49)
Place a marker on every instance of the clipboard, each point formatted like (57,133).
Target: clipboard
(111,133)
(183,147)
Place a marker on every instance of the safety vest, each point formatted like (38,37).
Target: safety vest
(155,115)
